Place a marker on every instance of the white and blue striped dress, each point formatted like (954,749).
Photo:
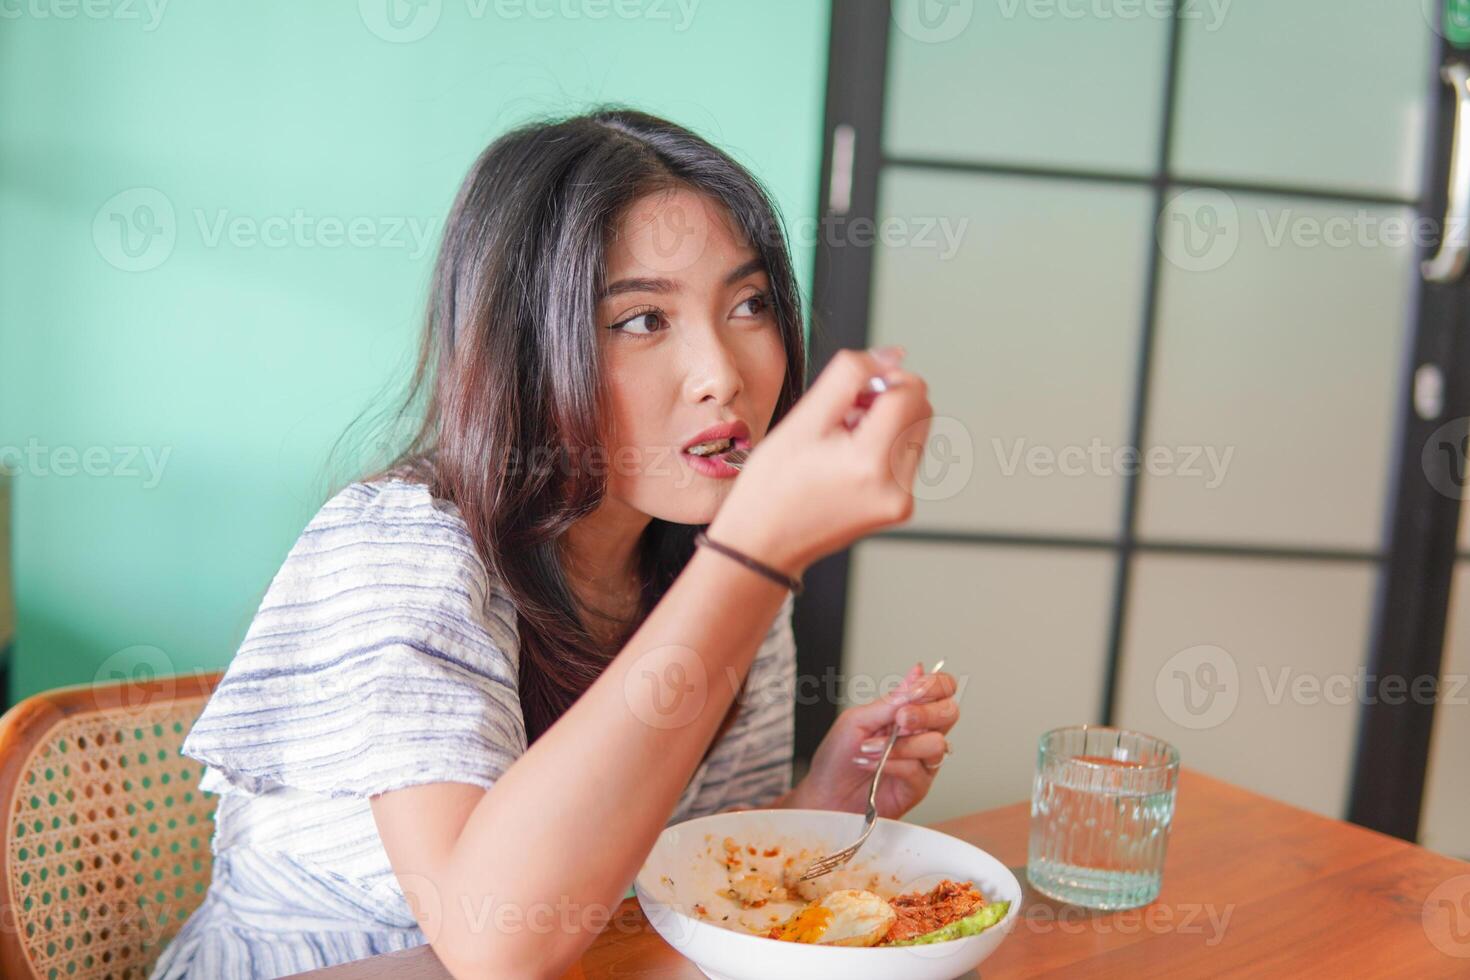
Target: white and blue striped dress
(382,657)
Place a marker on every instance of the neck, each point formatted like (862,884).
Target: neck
(600,556)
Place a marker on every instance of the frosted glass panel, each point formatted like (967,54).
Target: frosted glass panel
(1316,93)
(1022,629)
(1024,82)
(1280,335)
(1247,666)
(1027,334)
(1445,822)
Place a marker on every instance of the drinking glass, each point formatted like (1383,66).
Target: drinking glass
(1101,809)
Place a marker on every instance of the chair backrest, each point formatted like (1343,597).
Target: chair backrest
(107,836)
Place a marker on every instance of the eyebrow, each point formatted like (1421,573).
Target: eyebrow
(660,285)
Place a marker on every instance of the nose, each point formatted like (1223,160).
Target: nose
(712,370)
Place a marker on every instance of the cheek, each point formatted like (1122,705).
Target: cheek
(639,403)
(768,371)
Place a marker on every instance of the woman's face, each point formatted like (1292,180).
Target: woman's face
(689,341)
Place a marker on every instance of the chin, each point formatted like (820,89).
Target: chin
(682,505)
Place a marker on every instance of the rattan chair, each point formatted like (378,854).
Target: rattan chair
(107,834)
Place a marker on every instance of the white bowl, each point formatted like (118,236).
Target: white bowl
(681,870)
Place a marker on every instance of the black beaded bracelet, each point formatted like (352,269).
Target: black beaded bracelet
(775,575)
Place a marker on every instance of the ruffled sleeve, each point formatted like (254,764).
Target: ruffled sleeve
(379,658)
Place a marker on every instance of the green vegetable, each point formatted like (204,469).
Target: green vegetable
(972,924)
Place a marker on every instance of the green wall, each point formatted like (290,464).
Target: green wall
(294,161)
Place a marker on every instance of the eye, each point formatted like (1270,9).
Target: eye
(761,303)
(640,324)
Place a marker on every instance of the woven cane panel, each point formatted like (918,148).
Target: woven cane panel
(109,842)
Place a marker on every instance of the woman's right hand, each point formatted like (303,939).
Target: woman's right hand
(813,486)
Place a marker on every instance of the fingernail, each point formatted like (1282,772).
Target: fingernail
(864,760)
(873,745)
(892,353)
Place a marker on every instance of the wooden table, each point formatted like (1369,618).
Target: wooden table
(1252,887)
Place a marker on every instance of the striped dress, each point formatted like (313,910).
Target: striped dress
(382,657)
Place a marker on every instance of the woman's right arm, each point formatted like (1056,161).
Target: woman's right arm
(519,880)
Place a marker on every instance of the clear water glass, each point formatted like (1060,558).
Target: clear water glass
(1101,809)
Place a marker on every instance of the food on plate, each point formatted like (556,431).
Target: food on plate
(846,917)
(851,917)
(947,911)
(850,907)
(761,875)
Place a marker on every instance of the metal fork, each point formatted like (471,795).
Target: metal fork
(875,387)
(835,860)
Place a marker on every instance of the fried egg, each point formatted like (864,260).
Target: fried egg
(845,917)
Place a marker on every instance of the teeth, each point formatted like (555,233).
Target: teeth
(711,448)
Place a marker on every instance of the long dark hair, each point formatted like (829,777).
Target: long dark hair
(509,382)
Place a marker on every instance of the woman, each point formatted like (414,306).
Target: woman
(485,679)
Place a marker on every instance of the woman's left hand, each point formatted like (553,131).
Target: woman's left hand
(924,708)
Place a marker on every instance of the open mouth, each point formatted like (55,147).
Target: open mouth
(713,447)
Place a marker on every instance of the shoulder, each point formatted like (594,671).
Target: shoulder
(386,548)
(380,655)
(393,515)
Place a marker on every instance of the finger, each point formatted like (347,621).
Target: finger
(931,687)
(878,714)
(929,745)
(837,388)
(907,452)
(894,420)
(935,716)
